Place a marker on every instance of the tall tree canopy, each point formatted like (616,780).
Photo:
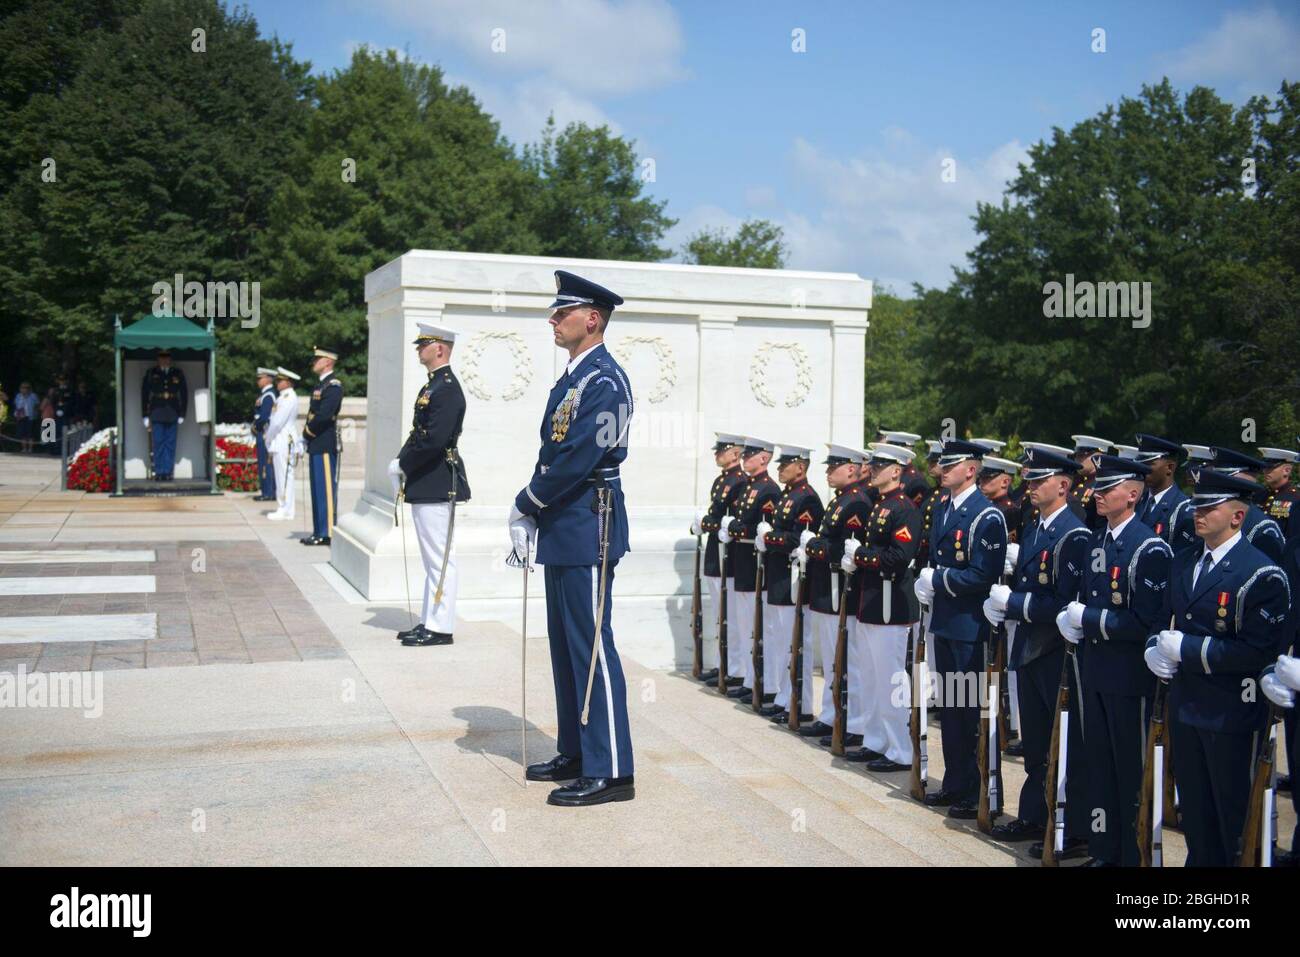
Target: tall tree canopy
(756,243)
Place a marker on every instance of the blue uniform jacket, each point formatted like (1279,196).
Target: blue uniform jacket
(1170,518)
(262,410)
(968,551)
(321,430)
(1136,569)
(1046,579)
(1264,533)
(584,436)
(1233,625)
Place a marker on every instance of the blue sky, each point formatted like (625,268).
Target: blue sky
(842,144)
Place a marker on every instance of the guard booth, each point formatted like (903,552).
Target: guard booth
(194,352)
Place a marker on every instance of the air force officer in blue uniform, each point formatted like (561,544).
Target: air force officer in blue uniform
(262,408)
(573,504)
(1228,602)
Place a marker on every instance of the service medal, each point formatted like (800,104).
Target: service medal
(1042,578)
(561,419)
(1116,598)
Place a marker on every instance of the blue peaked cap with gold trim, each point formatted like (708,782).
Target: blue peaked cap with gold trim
(571,290)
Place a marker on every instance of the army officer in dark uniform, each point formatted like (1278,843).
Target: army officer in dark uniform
(165,398)
(321,437)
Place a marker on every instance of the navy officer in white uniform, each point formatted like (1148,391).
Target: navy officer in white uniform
(573,504)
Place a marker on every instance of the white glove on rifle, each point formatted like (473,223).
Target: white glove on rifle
(146,421)
(806,536)
(1013,556)
(999,595)
(1170,644)
(724,534)
(847,564)
(1068,631)
(924,586)
(798,556)
(993,613)
(1074,614)
(696,523)
(763,529)
(180,421)
(1276,692)
(395,475)
(1160,666)
(1288,671)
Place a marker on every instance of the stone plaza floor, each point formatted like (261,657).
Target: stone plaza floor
(254,711)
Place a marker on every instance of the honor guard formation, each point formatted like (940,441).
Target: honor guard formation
(1131,643)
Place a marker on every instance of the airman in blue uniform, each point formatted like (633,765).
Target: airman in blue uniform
(1260,530)
(263,405)
(1163,507)
(1228,604)
(573,505)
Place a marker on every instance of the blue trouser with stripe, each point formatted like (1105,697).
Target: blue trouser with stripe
(324,492)
(605,742)
(164,448)
(265,474)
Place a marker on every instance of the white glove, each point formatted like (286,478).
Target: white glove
(806,536)
(1160,666)
(847,564)
(146,421)
(924,586)
(1068,631)
(695,525)
(180,420)
(1288,671)
(1170,644)
(724,536)
(799,556)
(523,533)
(1074,614)
(395,475)
(763,529)
(993,613)
(999,595)
(1013,556)
(1276,692)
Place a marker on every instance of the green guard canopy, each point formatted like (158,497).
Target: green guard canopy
(164,332)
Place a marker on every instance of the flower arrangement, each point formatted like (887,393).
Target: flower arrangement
(236,475)
(91,467)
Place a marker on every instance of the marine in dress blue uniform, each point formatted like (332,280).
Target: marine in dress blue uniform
(574,502)
(1047,565)
(967,553)
(164,397)
(263,405)
(1228,604)
(321,436)
(722,497)
(1163,507)
(1122,597)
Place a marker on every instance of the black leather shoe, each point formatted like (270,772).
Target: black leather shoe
(1097,862)
(940,798)
(427,637)
(770,709)
(963,811)
(769,698)
(814,730)
(1284,783)
(559,768)
(403,635)
(1074,847)
(710,676)
(315,540)
(1016,749)
(1284,858)
(862,755)
(850,740)
(780,717)
(741,692)
(585,791)
(886,766)
(1016,830)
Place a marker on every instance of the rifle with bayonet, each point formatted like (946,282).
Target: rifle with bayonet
(1255,846)
(756,645)
(697,618)
(840,682)
(796,653)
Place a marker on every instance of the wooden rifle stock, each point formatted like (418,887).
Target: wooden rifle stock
(1255,846)
(839,686)
(917,728)
(756,645)
(697,618)
(796,657)
(1055,780)
(988,753)
(722,618)
(1151,804)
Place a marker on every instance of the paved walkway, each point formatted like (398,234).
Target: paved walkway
(274,720)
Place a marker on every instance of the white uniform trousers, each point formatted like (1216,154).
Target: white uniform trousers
(284,484)
(782,619)
(430,520)
(825,626)
(884,691)
(710,622)
(773,662)
(740,636)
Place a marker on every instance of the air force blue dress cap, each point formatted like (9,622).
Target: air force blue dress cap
(571,290)
(959,450)
(1153,447)
(1111,470)
(1214,488)
(1232,461)
(1039,463)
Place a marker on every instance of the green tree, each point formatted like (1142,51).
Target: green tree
(757,243)
(898,394)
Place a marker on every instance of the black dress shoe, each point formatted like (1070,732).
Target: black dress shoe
(1074,847)
(964,811)
(814,730)
(315,540)
(403,635)
(862,755)
(427,637)
(780,717)
(1284,783)
(770,709)
(769,698)
(710,676)
(1016,749)
(741,692)
(883,765)
(850,740)
(1017,830)
(559,768)
(940,798)
(585,791)
(1284,858)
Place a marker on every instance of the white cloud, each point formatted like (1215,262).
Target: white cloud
(1247,53)
(522,107)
